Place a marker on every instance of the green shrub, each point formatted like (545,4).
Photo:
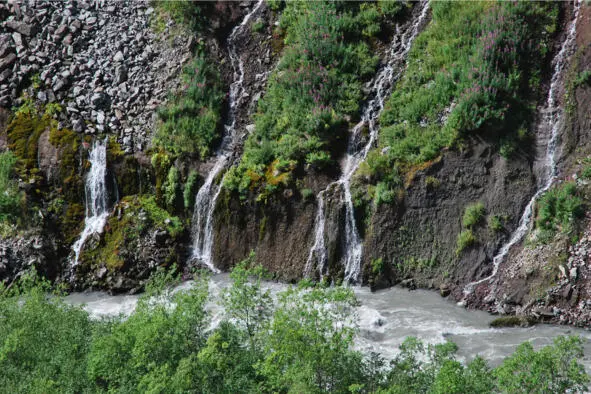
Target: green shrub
(257,26)
(465,239)
(473,215)
(377,266)
(191,121)
(586,173)
(307,194)
(584,78)
(301,341)
(432,183)
(190,189)
(192,14)
(559,208)
(495,224)
(172,188)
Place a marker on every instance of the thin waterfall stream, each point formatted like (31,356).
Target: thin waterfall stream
(356,153)
(202,227)
(97,196)
(551,121)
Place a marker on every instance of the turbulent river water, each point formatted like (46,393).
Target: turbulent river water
(385,318)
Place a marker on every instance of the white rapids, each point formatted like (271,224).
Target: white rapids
(356,153)
(552,123)
(97,196)
(205,202)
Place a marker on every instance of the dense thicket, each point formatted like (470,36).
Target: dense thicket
(300,343)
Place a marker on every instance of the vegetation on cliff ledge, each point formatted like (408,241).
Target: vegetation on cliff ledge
(303,118)
(476,69)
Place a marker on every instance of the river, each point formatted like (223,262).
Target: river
(386,318)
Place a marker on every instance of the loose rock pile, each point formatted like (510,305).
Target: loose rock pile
(99,59)
(568,301)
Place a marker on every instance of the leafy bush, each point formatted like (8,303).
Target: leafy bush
(307,194)
(190,189)
(465,239)
(172,189)
(473,214)
(584,78)
(495,224)
(559,208)
(191,121)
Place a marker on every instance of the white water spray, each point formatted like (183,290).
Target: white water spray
(97,210)
(202,230)
(551,121)
(380,90)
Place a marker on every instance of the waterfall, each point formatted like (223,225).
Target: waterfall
(202,229)
(357,152)
(97,201)
(552,116)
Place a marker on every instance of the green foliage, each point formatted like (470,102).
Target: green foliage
(307,194)
(246,302)
(257,26)
(192,14)
(190,189)
(495,224)
(172,189)
(559,208)
(586,173)
(44,343)
(473,215)
(432,183)
(301,120)
(485,58)
(584,78)
(10,197)
(377,266)
(465,239)
(140,215)
(150,350)
(303,345)
(23,136)
(191,121)
(553,369)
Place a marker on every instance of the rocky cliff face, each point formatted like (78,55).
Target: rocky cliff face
(550,280)
(103,68)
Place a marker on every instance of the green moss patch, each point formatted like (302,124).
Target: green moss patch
(136,217)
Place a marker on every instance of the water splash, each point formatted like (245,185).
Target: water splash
(551,121)
(202,229)
(357,152)
(97,196)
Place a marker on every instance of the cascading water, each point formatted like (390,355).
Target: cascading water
(551,122)
(380,90)
(202,229)
(97,196)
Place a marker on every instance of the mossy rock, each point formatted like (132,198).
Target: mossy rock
(128,234)
(68,144)
(23,134)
